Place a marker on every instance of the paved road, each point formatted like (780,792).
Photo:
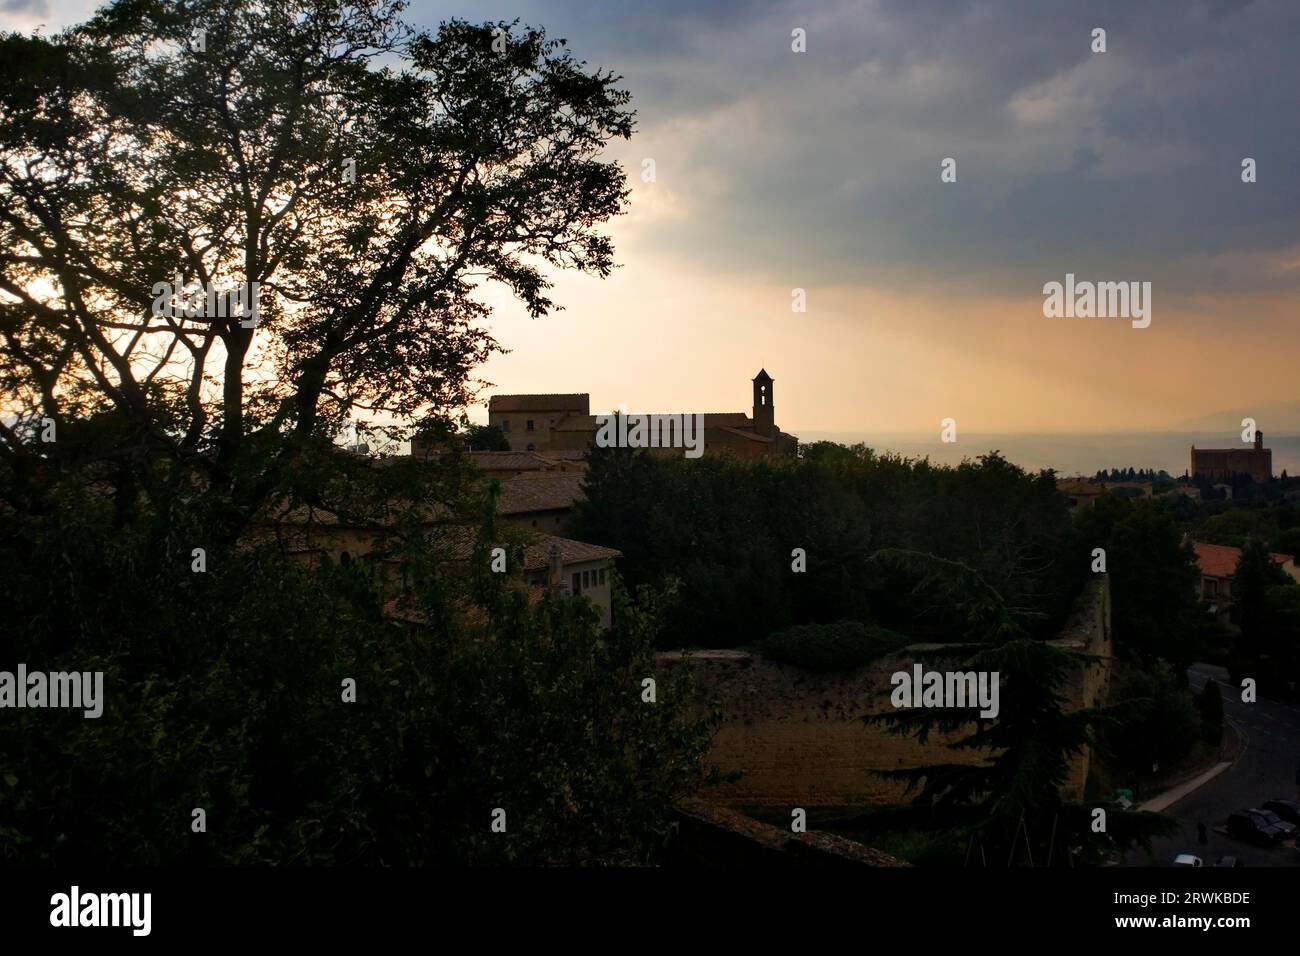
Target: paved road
(1265,769)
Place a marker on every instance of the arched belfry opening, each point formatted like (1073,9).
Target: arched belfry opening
(764,405)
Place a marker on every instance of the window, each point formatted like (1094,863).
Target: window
(586,579)
(528,426)
(577,583)
(602,575)
(505,424)
(532,447)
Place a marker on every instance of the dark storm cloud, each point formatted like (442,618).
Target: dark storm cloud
(825,165)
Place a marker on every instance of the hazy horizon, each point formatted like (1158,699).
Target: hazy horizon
(1070,454)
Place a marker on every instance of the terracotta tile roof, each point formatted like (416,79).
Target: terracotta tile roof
(572,402)
(1079,486)
(459,541)
(520,494)
(537,555)
(563,454)
(751,436)
(508,460)
(727,419)
(540,492)
(305,514)
(1220,561)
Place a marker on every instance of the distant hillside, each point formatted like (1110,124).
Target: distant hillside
(1278,418)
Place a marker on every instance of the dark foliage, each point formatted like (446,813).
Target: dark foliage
(841,646)
(223,692)
(727,530)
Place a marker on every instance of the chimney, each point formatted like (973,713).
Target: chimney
(555,568)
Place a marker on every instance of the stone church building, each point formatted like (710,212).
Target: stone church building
(1225,463)
(564,423)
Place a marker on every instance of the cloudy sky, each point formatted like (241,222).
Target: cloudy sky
(821,170)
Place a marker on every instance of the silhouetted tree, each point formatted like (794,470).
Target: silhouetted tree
(486,438)
(1031,742)
(369,204)
(1153,579)
(727,530)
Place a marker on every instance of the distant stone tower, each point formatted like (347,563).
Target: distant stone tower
(764,412)
(1224,464)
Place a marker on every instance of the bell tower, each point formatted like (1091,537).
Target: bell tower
(764,412)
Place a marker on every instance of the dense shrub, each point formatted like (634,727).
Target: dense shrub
(726,529)
(1161,723)
(1156,609)
(223,691)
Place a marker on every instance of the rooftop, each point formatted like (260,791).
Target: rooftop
(1079,486)
(537,555)
(509,460)
(1220,561)
(460,541)
(540,492)
(579,402)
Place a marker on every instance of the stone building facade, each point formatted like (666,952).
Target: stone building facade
(1225,463)
(563,423)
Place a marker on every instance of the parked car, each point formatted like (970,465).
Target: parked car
(1186,859)
(1228,861)
(1245,825)
(1288,810)
(1272,819)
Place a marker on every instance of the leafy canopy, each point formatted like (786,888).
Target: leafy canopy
(371,179)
